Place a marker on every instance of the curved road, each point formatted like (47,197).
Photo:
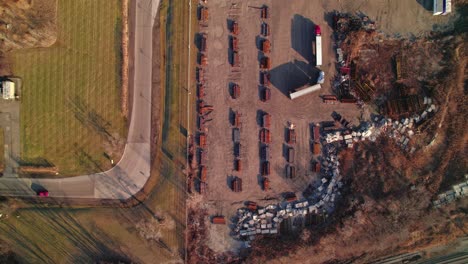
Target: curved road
(133,170)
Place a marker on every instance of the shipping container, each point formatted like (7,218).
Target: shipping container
(236,135)
(266,94)
(266,120)
(265,63)
(237,149)
(290,171)
(264,12)
(265,78)
(235,59)
(265,31)
(203,60)
(252,206)
(266,46)
(317,133)
(203,43)
(235,91)
(203,187)
(202,140)
(266,152)
(236,184)
(317,148)
(203,173)
(238,165)
(265,168)
(219,220)
(235,28)
(291,136)
(291,154)
(236,119)
(266,184)
(265,136)
(234,44)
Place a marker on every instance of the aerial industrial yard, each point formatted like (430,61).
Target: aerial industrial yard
(289,97)
(255,131)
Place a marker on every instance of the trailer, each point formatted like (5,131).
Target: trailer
(219,220)
(235,91)
(265,168)
(265,94)
(318,46)
(266,120)
(236,184)
(291,155)
(291,136)
(266,45)
(290,171)
(265,63)
(265,136)
(438,7)
(303,91)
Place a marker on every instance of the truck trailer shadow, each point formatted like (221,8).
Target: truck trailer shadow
(292,75)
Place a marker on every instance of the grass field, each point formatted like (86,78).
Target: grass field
(59,235)
(70,108)
(2,149)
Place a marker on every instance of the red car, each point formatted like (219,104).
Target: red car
(43,193)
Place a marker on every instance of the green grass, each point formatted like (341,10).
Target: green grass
(2,149)
(60,235)
(70,108)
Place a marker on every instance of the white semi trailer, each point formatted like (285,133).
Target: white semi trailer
(318,46)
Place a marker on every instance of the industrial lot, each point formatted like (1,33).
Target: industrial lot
(283,101)
(259,131)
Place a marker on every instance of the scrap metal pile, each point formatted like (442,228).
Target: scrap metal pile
(323,194)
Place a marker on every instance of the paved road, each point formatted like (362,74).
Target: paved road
(133,170)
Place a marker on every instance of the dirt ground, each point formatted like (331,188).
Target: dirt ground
(292,67)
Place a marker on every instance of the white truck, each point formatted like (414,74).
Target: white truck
(318,46)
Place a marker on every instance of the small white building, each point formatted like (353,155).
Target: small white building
(8,90)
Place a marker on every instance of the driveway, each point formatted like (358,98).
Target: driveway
(133,170)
